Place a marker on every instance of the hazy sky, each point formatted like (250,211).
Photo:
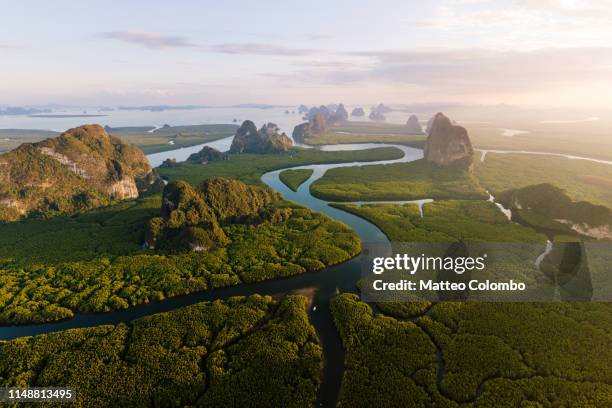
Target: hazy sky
(527,52)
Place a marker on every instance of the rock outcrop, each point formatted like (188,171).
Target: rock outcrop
(340,116)
(429,125)
(332,107)
(333,114)
(414,126)
(377,113)
(382,108)
(319,119)
(273,140)
(321,110)
(377,116)
(191,218)
(266,140)
(316,126)
(207,154)
(301,132)
(168,163)
(358,112)
(83,168)
(448,144)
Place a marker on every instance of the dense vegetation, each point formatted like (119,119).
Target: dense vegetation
(244,352)
(582,138)
(368,132)
(478,354)
(480,224)
(549,207)
(502,355)
(444,221)
(250,167)
(373,128)
(402,181)
(582,180)
(152,140)
(294,178)
(191,218)
(253,351)
(100,265)
(11,138)
(337,137)
(147,138)
(112,231)
(207,154)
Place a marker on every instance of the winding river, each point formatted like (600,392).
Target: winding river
(325,283)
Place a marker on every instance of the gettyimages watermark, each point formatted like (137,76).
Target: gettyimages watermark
(487,272)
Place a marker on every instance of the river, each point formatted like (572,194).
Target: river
(342,277)
(183,153)
(326,283)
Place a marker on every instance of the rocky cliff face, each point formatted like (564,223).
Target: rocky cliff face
(413,125)
(448,144)
(429,125)
(84,167)
(301,132)
(266,140)
(316,126)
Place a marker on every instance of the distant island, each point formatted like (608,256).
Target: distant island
(67,115)
(160,108)
(18,110)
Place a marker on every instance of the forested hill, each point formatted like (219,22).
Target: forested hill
(545,205)
(192,217)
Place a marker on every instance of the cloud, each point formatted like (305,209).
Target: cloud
(148,40)
(503,68)
(467,71)
(345,64)
(317,37)
(260,49)
(571,6)
(525,23)
(6,46)
(448,18)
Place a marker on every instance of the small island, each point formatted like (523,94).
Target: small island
(295,178)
